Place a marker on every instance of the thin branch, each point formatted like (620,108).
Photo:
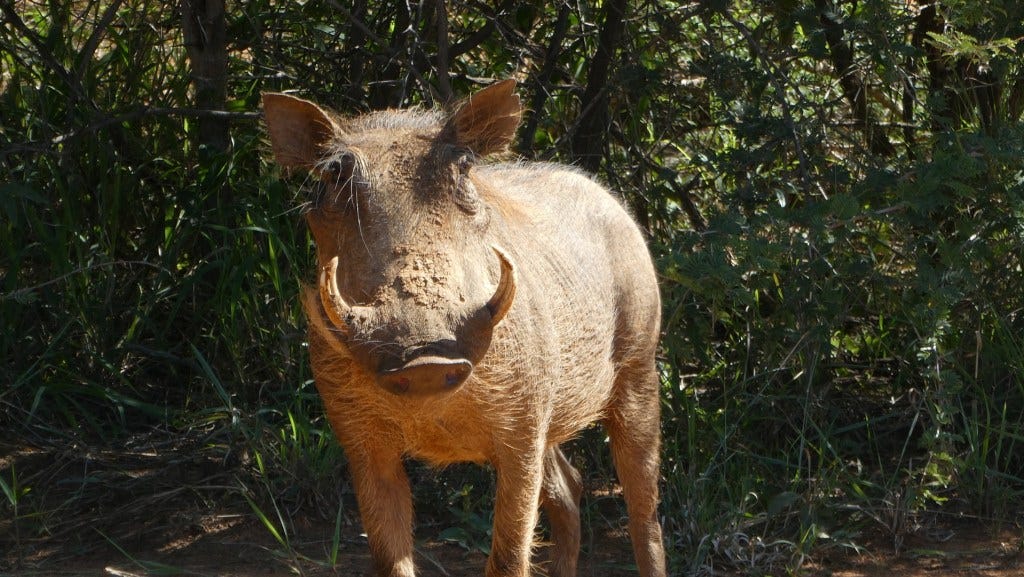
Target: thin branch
(46,146)
(543,81)
(511,35)
(86,54)
(378,40)
(73,84)
(854,88)
(778,80)
(358,23)
(473,40)
(485,31)
(683,192)
(154,111)
(26,292)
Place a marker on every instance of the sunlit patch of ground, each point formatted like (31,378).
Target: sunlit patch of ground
(161,505)
(955,548)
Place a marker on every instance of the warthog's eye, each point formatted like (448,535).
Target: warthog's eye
(465,193)
(464,163)
(342,181)
(338,171)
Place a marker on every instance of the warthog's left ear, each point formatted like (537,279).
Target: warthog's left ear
(486,122)
(299,130)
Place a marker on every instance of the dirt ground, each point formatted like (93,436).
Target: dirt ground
(235,544)
(138,513)
(238,545)
(959,548)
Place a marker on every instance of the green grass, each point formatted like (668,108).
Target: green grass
(841,349)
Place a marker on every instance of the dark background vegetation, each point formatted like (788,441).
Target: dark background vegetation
(833,192)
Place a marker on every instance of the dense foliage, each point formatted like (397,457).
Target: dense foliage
(834,192)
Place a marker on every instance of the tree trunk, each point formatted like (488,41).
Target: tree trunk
(205,34)
(543,83)
(355,46)
(592,125)
(852,85)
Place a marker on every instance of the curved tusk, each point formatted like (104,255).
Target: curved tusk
(330,298)
(505,293)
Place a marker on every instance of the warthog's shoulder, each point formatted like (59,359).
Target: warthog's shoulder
(523,169)
(544,181)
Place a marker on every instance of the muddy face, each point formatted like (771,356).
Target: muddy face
(408,277)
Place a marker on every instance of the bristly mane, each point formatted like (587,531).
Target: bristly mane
(411,119)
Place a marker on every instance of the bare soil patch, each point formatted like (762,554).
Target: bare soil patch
(137,511)
(954,548)
(237,545)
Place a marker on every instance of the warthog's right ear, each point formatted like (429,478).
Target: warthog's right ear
(299,130)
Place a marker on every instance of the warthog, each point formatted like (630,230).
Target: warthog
(472,311)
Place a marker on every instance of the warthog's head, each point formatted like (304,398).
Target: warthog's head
(409,282)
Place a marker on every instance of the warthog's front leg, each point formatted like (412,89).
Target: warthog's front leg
(385,506)
(520,474)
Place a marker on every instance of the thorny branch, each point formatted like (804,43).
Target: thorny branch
(543,80)
(49,146)
(778,80)
(85,56)
(853,87)
(362,26)
(73,83)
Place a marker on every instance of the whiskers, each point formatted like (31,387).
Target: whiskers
(308,195)
(380,348)
(300,208)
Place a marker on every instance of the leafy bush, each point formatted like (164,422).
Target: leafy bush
(834,193)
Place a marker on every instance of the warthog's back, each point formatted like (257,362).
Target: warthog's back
(588,304)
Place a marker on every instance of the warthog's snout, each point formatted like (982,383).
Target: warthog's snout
(428,369)
(425,375)
(431,367)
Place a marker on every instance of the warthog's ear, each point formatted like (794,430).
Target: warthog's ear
(486,122)
(299,130)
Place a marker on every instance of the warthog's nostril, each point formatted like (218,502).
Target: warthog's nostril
(402,384)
